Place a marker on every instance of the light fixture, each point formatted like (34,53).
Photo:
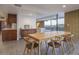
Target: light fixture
(18,5)
(30,14)
(64,6)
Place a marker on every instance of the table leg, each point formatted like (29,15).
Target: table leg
(39,48)
(47,47)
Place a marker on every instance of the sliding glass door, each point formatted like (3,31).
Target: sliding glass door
(50,25)
(56,24)
(53,25)
(47,25)
(61,24)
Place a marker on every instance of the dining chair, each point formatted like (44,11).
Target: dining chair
(30,45)
(68,39)
(56,42)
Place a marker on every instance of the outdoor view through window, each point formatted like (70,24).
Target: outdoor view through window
(54,24)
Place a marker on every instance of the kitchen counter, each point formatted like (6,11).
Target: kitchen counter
(9,34)
(9,29)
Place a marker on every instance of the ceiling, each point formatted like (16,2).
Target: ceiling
(37,10)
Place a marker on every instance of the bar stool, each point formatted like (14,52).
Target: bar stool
(56,42)
(69,41)
(30,45)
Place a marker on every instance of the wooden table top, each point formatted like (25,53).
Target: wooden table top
(46,35)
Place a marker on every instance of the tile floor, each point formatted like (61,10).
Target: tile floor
(17,47)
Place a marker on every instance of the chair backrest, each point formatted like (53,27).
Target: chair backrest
(57,38)
(29,40)
(69,36)
(26,39)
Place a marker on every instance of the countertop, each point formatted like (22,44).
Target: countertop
(9,29)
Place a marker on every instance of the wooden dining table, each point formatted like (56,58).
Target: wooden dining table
(40,36)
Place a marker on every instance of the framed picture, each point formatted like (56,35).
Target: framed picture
(26,26)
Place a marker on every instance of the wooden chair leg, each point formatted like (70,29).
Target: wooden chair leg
(68,46)
(32,48)
(27,51)
(30,51)
(62,50)
(24,49)
(72,44)
(54,48)
(38,50)
(47,49)
(34,51)
(62,47)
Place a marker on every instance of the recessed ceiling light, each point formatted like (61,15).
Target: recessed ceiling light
(30,14)
(64,6)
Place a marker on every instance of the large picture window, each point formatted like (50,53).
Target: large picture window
(61,24)
(54,24)
(47,23)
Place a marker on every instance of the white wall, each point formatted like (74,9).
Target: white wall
(24,20)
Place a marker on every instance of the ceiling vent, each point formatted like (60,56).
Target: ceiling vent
(18,5)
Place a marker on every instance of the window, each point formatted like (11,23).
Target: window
(61,24)
(54,23)
(50,25)
(61,21)
(47,23)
